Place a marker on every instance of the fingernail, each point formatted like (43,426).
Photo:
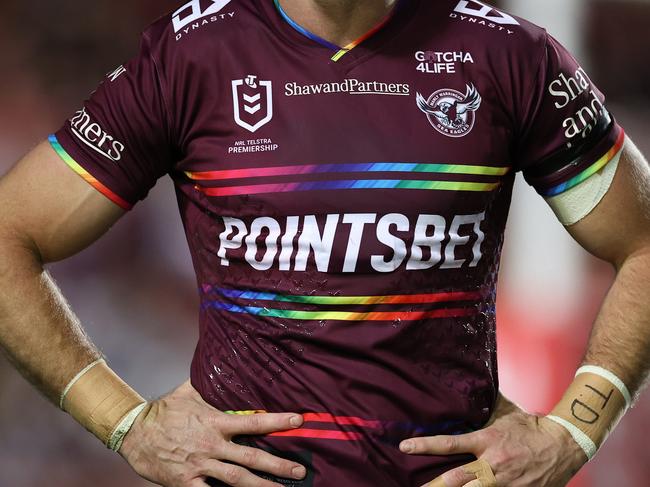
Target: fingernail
(295,421)
(298,472)
(406,446)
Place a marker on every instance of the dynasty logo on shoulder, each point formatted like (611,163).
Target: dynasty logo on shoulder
(479,13)
(192,16)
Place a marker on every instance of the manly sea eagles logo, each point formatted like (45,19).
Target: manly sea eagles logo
(252,102)
(449,111)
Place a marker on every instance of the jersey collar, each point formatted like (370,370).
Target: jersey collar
(298,34)
(339,52)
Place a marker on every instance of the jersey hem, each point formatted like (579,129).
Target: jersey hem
(89,178)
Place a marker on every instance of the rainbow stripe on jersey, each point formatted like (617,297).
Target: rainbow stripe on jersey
(416,167)
(343,172)
(247,302)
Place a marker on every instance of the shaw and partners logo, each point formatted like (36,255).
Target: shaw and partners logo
(449,111)
(192,16)
(574,92)
(252,101)
(351,86)
(95,137)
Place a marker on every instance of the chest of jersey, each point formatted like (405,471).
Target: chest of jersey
(381,162)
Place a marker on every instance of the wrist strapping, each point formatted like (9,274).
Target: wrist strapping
(592,407)
(102,403)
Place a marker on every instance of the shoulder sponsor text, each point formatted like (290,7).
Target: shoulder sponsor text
(95,137)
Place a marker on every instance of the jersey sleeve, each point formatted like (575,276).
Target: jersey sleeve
(119,141)
(567,133)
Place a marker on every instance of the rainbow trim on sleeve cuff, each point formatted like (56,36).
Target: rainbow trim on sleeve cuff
(89,178)
(591,170)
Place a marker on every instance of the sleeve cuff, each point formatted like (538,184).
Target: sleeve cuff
(590,170)
(89,178)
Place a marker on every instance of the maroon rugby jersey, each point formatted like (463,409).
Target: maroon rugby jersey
(345,208)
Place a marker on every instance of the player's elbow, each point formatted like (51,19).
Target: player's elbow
(635,253)
(18,252)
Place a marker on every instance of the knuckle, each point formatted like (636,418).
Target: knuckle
(490,434)
(194,460)
(281,467)
(254,422)
(422,445)
(500,460)
(250,456)
(233,474)
(218,420)
(456,476)
(450,443)
(185,479)
(503,457)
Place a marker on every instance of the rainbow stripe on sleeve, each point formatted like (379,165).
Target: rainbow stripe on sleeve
(591,170)
(89,178)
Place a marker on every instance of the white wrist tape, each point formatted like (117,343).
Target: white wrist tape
(591,407)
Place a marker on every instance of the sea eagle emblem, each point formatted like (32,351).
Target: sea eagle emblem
(451,112)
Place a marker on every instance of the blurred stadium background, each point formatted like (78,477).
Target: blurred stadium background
(134,290)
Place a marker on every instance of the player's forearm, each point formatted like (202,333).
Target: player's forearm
(38,331)
(617,360)
(620,340)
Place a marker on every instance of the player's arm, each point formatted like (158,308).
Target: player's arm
(525,450)
(618,231)
(50,213)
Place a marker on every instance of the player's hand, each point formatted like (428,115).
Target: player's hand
(179,441)
(522,450)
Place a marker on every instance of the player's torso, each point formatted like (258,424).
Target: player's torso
(405,129)
(345,220)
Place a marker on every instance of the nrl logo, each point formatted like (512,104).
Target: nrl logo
(252,102)
(449,111)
